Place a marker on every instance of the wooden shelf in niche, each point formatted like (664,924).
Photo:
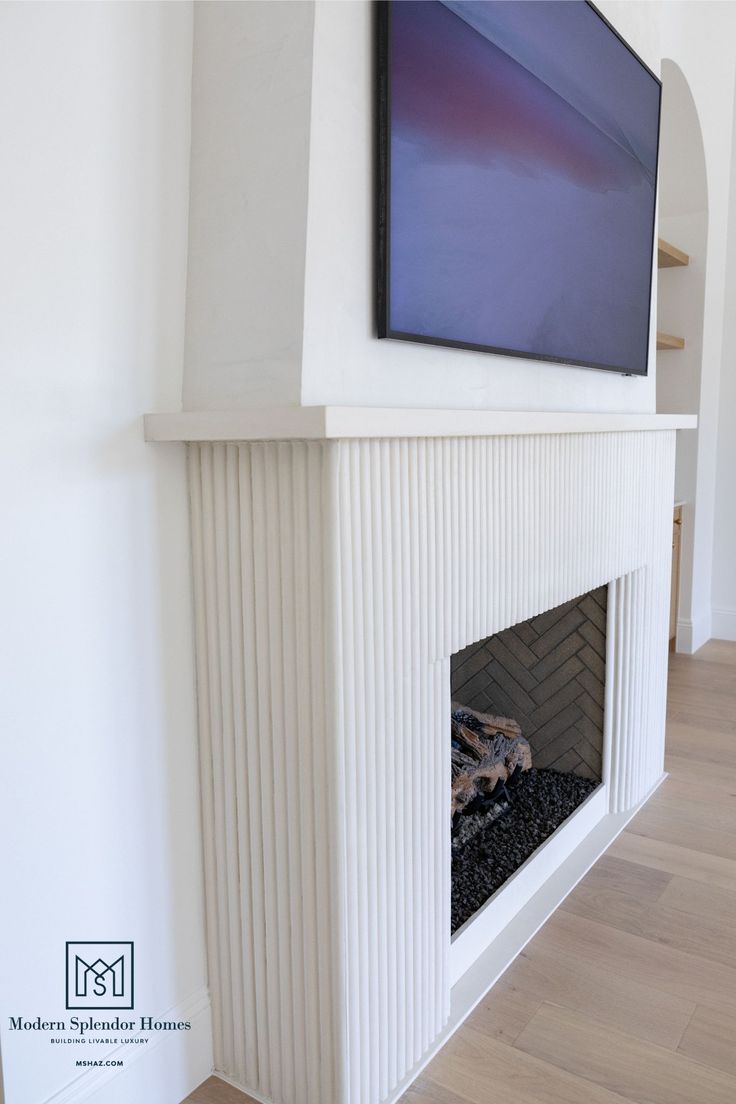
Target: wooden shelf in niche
(668,341)
(669,256)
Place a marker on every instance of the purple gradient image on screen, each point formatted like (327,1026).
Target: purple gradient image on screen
(519,166)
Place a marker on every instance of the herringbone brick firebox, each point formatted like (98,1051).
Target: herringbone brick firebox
(549,674)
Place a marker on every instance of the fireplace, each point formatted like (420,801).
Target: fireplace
(526,741)
(341,558)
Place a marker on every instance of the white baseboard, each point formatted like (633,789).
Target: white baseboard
(692,635)
(243,1088)
(164,1071)
(724,623)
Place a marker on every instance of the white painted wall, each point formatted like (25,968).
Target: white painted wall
(698,37)
(99,814)
(247,234)
(724,535)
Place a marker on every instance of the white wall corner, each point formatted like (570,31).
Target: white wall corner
(693,634)
(724,624)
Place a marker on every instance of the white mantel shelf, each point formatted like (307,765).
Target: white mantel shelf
(321,423)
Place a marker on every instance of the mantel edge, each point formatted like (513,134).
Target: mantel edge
(324,423)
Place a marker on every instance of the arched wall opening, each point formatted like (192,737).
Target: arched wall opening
(683,221)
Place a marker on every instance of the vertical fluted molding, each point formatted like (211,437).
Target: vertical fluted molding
(262,569)
(332,583)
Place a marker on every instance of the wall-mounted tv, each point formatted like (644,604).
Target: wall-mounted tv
(518,148)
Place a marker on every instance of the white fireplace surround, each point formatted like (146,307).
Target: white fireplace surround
(341,556)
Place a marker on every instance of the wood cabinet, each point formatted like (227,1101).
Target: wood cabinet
(675,585)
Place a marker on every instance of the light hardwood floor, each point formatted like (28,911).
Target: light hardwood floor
(628,993)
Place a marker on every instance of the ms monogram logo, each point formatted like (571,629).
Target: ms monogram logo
(99,975)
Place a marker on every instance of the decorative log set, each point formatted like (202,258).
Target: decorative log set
(487,753)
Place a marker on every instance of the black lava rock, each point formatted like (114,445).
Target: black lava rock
(488,851)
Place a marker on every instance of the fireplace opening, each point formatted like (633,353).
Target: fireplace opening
(526,742)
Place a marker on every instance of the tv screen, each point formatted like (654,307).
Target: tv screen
(518,170)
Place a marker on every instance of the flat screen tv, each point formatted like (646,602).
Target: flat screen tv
(518,148)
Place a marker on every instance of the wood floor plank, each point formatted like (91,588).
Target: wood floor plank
(429,1092)
(612,873)
(677,803)
(703,702)
(718,651)
(711,1039)
(506,1011)
(715,678)
(710,938)
(698,723)
(719,779)
(716,740)
(618,1002)
(670,857)
(481,1070)
(658,823)
(216,1091)
(680,793)
(699,899)
(619,1063)
(690,977)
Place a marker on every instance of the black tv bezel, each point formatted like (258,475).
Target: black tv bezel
(383,213)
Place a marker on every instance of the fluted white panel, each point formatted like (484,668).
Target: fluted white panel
(333,581)
(268,768)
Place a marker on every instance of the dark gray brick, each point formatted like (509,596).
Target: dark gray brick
(468,662)
(564,696)
(567,647)
(594,611)
(512,641)
(544,621)
(502,679)
(526,633)
(557,680)
(592,731)
(593,662)
(557,632)
(590,708)
(561,722)
(553,750)
(594,637)
(592,685)
(469,690)
(591,756)
(568,761)
(508,661)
